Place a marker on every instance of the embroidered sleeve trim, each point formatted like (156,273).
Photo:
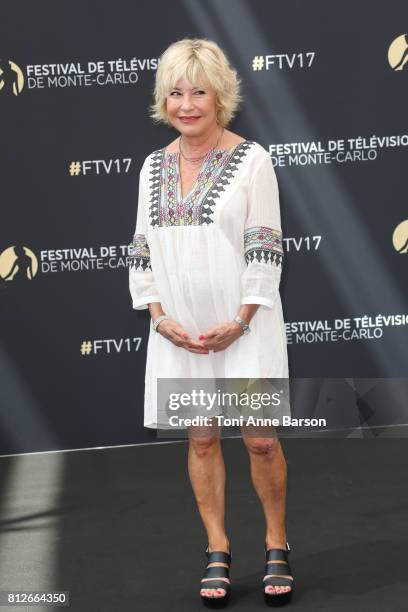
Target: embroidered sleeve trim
(139,253)
(263,244)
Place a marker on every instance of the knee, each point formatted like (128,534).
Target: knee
(204,446)
(262,446)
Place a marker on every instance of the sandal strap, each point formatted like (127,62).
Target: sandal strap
(277,581)
(216,572)
(216,584)
(218,556)
(276,554)
(281,569)
(286,549)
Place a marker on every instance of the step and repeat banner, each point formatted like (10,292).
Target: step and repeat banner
(325,92)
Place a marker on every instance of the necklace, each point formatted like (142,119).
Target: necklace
(197,159)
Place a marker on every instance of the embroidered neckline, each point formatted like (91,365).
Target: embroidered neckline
(214,158)
(197,208)
(196,186)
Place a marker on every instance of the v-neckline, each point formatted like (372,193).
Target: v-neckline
(196,183)
(203,168)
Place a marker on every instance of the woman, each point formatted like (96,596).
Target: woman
(206,259)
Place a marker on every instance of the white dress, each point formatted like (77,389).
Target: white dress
(203,256)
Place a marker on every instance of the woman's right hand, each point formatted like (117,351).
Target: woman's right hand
(177,335)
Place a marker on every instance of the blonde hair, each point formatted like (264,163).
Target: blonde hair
(196,60)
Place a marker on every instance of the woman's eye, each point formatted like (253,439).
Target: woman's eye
(197,92)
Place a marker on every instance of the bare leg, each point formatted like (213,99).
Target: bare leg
(268,473)
(206,469)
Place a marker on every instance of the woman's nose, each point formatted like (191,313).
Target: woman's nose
(186,102)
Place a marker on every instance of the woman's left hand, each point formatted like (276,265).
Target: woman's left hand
(221,336)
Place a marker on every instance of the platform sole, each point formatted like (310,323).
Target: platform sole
(215,603)
(281,599)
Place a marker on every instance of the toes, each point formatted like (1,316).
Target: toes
(277,589)
(212,592)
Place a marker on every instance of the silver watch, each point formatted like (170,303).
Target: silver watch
(244,326)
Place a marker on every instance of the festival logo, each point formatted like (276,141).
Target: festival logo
(400,237)
(17,263)
(398,52)
(11,77)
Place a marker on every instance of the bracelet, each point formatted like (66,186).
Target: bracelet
(244,326)
(159,320)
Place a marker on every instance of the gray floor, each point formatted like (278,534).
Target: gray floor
(111,525)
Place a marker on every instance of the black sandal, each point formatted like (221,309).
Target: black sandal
(274,575)
(214,573)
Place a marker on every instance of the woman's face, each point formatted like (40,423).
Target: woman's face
(191,109)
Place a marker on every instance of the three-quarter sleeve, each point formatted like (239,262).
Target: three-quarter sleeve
(142,285)
(263,249)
